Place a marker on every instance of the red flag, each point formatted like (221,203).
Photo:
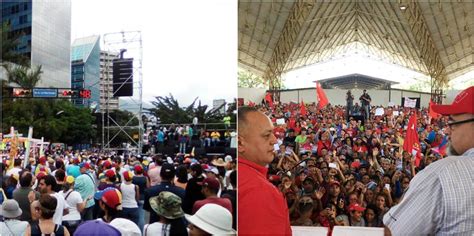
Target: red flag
(268,98)
(322,99)
(433,114)
(303,109)
(412,142)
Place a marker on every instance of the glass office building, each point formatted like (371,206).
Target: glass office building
(85,70)
(45,27)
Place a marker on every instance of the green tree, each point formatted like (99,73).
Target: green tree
(55,120)
(247,79)
(24,76)
(169,111)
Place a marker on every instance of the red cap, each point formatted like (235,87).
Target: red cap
(128,175)
(75,160)
(111,197)
(462,104)
(40,175)
(107,164)
(355,164)
(211,183)
(356,207)
(274,178)
(42,160)
(334,183)
(138,168)
(110,173)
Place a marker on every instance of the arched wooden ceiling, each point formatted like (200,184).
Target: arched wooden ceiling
(432,37)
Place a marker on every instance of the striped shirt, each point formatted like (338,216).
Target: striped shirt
(439,201)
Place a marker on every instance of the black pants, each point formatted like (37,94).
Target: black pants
(71,225)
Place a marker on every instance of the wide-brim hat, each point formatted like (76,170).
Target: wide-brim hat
(213,219)
(10,209)
(219,162)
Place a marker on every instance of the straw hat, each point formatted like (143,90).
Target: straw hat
(219,162)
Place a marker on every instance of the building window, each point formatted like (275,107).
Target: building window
(23,19)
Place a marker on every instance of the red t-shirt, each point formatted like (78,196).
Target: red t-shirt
(224,202)
(262,208)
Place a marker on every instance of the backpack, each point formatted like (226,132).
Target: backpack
(36,230)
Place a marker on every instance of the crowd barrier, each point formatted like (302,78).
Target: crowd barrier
(337,231)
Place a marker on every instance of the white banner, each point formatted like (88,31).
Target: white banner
(379,111)
(410,102)
(280,121)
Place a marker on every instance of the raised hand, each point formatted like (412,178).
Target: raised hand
(320,193)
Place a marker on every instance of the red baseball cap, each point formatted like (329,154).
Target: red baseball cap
(42,160)
(462,104)
(356,207)
(128,175)
(110,173)
(111,197)
(211,183)
(138,168)
(107,164)
(355,164)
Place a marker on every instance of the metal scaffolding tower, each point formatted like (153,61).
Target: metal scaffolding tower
(131,41)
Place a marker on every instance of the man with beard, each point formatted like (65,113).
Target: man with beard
(261,208)
(440,198)
(47,185)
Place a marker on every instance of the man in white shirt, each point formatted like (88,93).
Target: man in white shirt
(48,185)
(16,168)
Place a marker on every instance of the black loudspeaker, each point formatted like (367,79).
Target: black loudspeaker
(123,77)
(216,149)
(231,151)
(199,152)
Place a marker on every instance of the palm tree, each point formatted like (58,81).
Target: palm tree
(24,76)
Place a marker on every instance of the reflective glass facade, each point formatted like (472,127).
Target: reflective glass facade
(85,69)
(46,27)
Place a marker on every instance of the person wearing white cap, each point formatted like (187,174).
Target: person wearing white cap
(11,226)
(211,219)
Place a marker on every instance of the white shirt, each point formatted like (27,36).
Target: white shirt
(439,200)
(72,200)
(156,229)
(13,227)
(128,195)
(14,170)
(233,139)
(58,214)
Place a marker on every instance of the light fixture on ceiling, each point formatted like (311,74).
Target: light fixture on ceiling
(403,7)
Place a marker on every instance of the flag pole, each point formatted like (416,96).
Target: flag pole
(28,146)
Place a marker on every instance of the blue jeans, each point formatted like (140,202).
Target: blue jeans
(131,214)
(141,215)
(182,147)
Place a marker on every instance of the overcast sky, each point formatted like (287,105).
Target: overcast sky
(189,47)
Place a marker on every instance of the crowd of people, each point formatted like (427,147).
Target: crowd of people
(185,137)
(336,170)
(95,193)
